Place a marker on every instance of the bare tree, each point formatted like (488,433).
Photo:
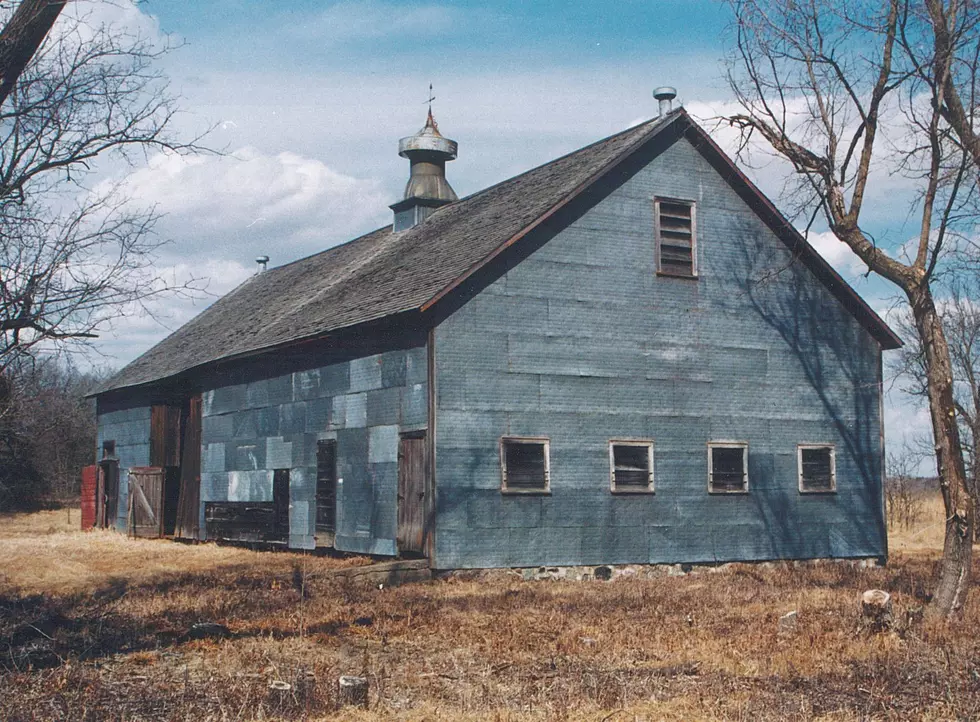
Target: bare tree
(47,432)
(959,310)
(72,257)
(903,488)
(850,91)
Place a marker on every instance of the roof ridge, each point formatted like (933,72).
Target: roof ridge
(651,122)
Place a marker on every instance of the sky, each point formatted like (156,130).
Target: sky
(306,100)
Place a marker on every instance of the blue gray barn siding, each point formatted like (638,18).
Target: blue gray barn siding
(250,429)
(582,342)
(129,428)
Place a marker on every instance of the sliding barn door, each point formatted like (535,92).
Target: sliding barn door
(189,499)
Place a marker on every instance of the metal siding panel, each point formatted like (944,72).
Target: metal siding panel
(302,509)
(279,455)
(383,444)
(355,411)
(226,399)
(393,369)
(292,418)
(304,450)
(384,406)
(217,428)
(618,352)
(269,392)
(414,409)
(306,385)
(318,412)
(416,366)
(355,496)
(384,512)
(365,373)
(335,379)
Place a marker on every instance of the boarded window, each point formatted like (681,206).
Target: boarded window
(816,465)
(631,465)
(728,467)
(524,464)
(165,436)
(326,486)
(676,237)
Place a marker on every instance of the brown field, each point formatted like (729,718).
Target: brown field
(93,626)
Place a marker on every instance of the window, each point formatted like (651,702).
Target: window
(728,467)
(676,230)
(816,466)
(524,465)
(108,449)
(631,466)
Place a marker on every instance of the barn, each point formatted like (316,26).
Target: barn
(625,355)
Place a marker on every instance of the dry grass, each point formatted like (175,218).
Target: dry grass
(41,555)
(925,537)
(104,638)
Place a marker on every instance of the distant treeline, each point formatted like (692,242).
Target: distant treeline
(47,433)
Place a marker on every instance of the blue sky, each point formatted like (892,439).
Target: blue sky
(309,98)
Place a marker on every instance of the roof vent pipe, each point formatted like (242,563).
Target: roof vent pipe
(665,95)
(263,262)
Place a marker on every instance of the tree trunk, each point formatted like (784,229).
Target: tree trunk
(22,36)
(876,610)
(352,692)
(954,578)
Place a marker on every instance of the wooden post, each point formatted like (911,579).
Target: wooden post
(352,692)
(876,609)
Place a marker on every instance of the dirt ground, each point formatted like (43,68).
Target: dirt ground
(95,626)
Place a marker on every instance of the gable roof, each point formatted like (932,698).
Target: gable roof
(383,273)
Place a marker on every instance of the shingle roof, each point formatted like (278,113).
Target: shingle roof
(382,273)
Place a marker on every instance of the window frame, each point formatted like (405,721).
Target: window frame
(648,443)
(657,200)
(833,468)
(722,444)
(543,440)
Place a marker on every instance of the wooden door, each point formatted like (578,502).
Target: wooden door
(411,493)
(189,500)
(107,493)
(165,435)
(326,491)
(146,501)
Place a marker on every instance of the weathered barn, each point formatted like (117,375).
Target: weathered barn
(625,355)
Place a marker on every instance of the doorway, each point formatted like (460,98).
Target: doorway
(411,493)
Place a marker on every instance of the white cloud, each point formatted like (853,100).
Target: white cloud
(838,254)
(84,18)
(249,202)
(220,212)
(140,328)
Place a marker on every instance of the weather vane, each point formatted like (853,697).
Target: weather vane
(431,98)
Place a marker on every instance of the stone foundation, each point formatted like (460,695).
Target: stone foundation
(608,572)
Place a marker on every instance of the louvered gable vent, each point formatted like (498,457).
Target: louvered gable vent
(675,237)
